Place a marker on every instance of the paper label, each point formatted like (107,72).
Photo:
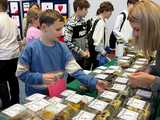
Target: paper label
(98,105)
(125,74)
(126,114)
(37,105)
(123,61)
(109,71)
(14,110)
(109,95)
(125,57)
(142,59)
(130,55)
(56,108)
(131,70)
(75,98)
(55,100)
(119,87)
(121,80)
(102,67)
(87,99)
(67,93)
(97,71)
(144,93)
(114,67)
(35,96)
(84,115)
(137,66)
(101,76)
(140,62)
(136,103)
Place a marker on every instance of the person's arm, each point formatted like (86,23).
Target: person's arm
(98,36)
(73,68)
(116,29)
(68,33)
(23,68)
(76,71)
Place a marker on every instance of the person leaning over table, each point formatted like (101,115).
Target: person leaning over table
(144,17)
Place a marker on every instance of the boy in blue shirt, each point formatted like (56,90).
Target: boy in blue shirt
(45,60)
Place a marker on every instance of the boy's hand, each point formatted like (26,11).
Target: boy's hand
(88,53)
(84,54)
(49,78)
(101,85)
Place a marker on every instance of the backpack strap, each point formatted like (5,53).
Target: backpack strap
(124,18)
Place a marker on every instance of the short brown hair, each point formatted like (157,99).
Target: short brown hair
(4,4)
(50,16)
(105,6)
(81,4)
(132,1)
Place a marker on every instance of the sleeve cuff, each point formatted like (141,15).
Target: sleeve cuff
(155,86)
(92,83)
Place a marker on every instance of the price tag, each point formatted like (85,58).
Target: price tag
(98,105)
(75,98)
(101,76)
(119,87)
(67,93)
(56,107)
(144,93)
(84,115)
(137,66)
(140,62)
(125,57)
(130,55)
(87,99)
(123,61)
(126,74)
(142,59)
(131,70)
(114,67)
(121,80)
(109,95)
(136,103)
(102,67)
(37,105)
(109,71)
(35,96)
(126,114)
(55,100)
(98,71)
(14,110)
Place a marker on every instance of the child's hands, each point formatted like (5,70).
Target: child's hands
(49,78)
(101,85)
(85,54)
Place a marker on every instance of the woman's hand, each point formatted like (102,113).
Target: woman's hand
(141,79)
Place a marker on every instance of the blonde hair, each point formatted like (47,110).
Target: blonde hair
(147,14)
(30,16)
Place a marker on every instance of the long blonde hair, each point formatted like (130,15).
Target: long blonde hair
(147,14)
(30,16)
